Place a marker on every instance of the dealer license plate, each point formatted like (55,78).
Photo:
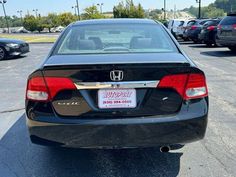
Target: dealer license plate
(117,98)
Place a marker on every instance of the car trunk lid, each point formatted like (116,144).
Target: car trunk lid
(141,77)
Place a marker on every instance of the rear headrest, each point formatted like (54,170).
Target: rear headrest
(140,43)
(84,44)
(97,41)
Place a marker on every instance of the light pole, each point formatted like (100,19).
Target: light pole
(74,7)
(199,10)
(20,12)
(77,6)
(36,12)
(164,9)
(100,5)
(4,10)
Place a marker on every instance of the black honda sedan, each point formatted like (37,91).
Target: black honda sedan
(117,83)
(12,48)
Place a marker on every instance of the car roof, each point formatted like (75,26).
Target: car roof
(115,21)
(178,19)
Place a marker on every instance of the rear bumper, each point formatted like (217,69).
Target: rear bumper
(193,35)
(187,126)
(226,43)
(204,36)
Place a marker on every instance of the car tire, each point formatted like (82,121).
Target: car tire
(196,41)
(214,41)
(2,53)
(233,49)
(208,44)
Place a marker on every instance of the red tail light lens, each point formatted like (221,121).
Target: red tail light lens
(176,82)
(193,27)
(46,88)
(211,28)
(189,86)
(234,26)
(196,87)
(57,84)
(37,89)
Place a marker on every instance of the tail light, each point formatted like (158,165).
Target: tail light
(219,27)
(46,88)
(234,26)
(211,28)
(189,86)
(193,27)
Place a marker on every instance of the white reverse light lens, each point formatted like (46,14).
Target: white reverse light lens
(37,95)
(195,92)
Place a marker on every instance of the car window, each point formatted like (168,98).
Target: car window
(176,23)
(229,20)
(181,23)
(190,23)
(203,22)
(209,23)
(115,38)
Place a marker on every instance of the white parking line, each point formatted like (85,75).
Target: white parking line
(7,120)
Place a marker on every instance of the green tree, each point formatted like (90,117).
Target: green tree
(40,25)
(155,14)
(210,11)
(120,11)
(92,13)
(128,10)
(226,5)
(13,21)
(65,19)
(50,21)
(30,23)
(33,24)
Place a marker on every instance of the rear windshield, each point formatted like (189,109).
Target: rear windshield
(203,22)
(115,38)
(190,23)
(209,23)
(181,23)
(230,20)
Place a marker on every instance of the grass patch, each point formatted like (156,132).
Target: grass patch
(31,38)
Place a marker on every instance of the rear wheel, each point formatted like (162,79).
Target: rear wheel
(233,49)
(185,39)
(2,53)
(214,41)
(209,44)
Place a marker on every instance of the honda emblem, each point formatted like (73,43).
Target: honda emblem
(116,75)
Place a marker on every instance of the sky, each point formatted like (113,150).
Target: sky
(58,6)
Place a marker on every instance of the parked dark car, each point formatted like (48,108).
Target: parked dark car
(12,48)
(193,29)
(208,32)
(226,32)
(116,83)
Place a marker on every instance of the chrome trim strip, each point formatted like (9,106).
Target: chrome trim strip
(107,85)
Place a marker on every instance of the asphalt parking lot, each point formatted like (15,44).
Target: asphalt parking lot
(213,156)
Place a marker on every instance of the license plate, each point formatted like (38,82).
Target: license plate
(117,98)
(226,33)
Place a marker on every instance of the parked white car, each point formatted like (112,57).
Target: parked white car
(181,28)
(174,24)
